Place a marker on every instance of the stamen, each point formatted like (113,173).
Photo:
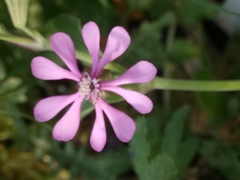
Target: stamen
(89,87)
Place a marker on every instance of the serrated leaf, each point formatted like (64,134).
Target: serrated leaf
(140,146)
(162,167)
(174,132)
(186,152)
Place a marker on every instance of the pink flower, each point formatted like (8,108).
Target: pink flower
(90,86)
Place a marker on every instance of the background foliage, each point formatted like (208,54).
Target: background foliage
(188,135)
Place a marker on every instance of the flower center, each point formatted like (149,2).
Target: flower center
(89,87)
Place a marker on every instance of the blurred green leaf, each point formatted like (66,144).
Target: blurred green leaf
(174,130)
(233,106)
(182,51)
(18,10)
(6,128)
(146,42)
(186,151)
(71,26)
(87,108)
(191,13)
(213,6)
(2,71)
(20,130)
(212,102)
(143,5)
(159,8)
(140,146)
(161,167)
(12,90)
(106,166)
(222,156)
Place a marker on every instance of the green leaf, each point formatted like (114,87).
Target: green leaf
(12,90)
(159,8)
(186,152)
(183,51)
(145,43)
(87,108)
(212,102)
(191,13)
(6,128)
(174,132)
(223,157)
(140,146)
(213,6)
(18,10)
(20,127)
(71,26)
(162,167)
(106,166)
(140,4)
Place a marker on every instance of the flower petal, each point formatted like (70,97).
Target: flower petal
(47,108)
(98,137)
(43,68)
(91,37)
(67,126)
(117,43)
(123,126)
(63,46)
(141,72)
(138,101)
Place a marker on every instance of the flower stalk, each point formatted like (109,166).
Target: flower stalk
(194,85)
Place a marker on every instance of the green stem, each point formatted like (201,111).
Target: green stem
(194,85)
(35,35)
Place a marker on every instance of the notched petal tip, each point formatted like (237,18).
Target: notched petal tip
(91,37)
(49,107)
(117,43)
(138,101)
(66,128)
(123,126)
(63,46)
(141,72)
(45,69)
